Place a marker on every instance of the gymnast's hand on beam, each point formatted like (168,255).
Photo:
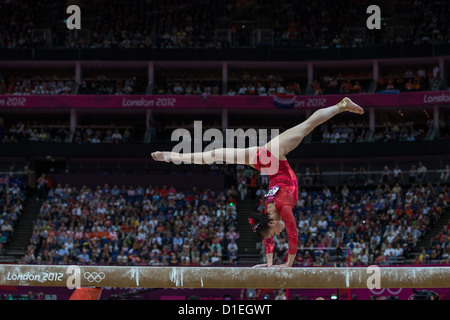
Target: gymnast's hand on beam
(282,266)
(264,265)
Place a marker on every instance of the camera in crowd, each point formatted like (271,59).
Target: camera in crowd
(424,295)
(339,258)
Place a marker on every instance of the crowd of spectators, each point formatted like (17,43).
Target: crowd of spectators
(94,134)
(205,88)
(315,24)
(171,24)
(355,177)
(407,131)
(327,24)
(333,132)
(427,22)
(261,83)
(61,133)
(144,24)
(348,132)
(18,19)
(399,79)
(105,85)
(339,84)
(135,226)
(34,132)
(12,198)
(438,248)
(56,85)
(379,225)
(264,89)
(37,86)
(242,87)
(410,80)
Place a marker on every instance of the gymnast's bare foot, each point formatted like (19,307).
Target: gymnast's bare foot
(348,105)
(162,156)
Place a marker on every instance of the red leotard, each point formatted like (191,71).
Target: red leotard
(285,197)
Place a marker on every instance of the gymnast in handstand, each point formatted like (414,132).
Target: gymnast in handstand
(271,160)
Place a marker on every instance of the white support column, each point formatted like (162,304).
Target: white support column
(78,74)
(442,69)
(372,119)
(224,78)
(148,116)
(149,132)
(224,120)
(73,119)
(436,117)
(151,73)
(310,72)
(375,70)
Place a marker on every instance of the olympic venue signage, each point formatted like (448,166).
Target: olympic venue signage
(422,98)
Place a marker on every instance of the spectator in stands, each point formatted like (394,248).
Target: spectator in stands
(397,174)
(386,175)
(412,174)
(42,186)
(307,178)
(445,174)
(421,172)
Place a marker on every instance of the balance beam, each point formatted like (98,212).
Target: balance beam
(221,277)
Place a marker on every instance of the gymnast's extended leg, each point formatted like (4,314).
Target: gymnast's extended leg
(287,141)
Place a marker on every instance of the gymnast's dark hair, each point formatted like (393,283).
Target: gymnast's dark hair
(260,224)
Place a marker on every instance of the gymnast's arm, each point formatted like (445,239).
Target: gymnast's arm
(291,229)
(268,247)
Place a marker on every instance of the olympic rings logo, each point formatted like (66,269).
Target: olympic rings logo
(391,291)
(94,276)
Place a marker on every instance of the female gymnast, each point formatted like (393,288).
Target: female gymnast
(270,159)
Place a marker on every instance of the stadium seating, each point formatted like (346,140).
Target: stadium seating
(12,198)
(133,225)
